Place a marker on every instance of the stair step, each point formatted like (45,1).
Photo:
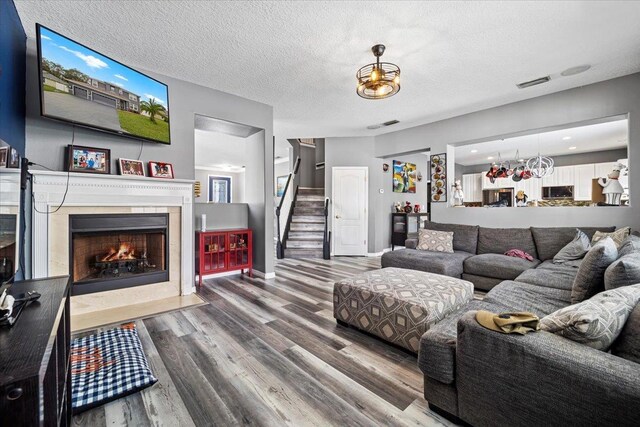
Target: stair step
(309,198)
(302,253)
(304,244)
(306,235)
(314,191)
(310,204)
(306,226)
(308,211)
(309,219)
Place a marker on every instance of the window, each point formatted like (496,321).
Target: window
(94,83)
(219,189)
(132,97)
(120,91)
(113,89)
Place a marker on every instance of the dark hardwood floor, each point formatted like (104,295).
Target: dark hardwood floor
(268,352)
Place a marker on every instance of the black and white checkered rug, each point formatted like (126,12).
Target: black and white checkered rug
(107,366)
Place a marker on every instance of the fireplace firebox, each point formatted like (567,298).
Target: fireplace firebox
(115,251)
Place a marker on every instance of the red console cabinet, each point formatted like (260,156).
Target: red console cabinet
(223,250)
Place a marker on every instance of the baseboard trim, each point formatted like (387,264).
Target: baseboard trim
(262,275)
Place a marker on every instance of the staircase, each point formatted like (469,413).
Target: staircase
(306,231)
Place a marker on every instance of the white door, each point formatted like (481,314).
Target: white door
(349,218)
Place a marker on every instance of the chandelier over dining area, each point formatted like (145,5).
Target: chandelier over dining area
(378,80)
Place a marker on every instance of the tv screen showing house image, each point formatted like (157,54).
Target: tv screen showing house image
(82,86)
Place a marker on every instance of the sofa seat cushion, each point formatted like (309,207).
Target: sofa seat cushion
(398,305)
(437,355)
(519,296)
(431,262)
(550,240)
(549,275)
(498,266)
(481,283)
(465,237)
(500,240)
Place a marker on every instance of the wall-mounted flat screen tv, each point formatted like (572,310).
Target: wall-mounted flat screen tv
(83,87)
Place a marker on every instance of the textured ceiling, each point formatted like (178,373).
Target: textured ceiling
(583,139)
(301,57)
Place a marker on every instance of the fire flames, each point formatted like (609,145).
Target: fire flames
(124,252)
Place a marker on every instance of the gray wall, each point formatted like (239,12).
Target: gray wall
(237,184)
(222,216)
(319,173)
(46,140)
(610,98)
(567,160)
(359,152)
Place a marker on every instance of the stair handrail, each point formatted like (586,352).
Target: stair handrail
(326,239)
(279,247)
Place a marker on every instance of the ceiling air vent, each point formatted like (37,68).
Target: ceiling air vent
(378,126)
(533,82)
(390,122)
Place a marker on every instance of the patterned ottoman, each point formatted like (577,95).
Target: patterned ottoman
(398,305)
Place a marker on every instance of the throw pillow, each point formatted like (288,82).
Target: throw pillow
(627,345)
(629,245)
(596,322)
(618,236)
(576,249)
(590,278)
(624,271)
(435,241)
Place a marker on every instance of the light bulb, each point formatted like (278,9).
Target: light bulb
(374,75)
(396,79)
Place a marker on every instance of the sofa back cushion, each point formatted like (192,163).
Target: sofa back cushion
(627,345)
(500,240)
(549,240)
(465,237)
(624,271)
(629,245)
(590,278)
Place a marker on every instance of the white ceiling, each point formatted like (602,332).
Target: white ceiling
(223,152)
(583,139)
(301,57)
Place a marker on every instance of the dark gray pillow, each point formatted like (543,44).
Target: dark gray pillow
(629,245)
(576,249)
(590,278)
(624,271)
(627,345)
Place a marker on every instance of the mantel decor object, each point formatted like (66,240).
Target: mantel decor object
(88,159)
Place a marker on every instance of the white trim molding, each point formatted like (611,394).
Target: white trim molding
(50,189)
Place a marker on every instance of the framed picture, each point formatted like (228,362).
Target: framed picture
(4,155)
(13,161)
(88,159)
(161,170)
(404,177)
(219,189)
(131,167)
(281,182)
(439,187)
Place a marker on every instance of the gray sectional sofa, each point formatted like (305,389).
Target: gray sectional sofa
(478,252)
(488,379)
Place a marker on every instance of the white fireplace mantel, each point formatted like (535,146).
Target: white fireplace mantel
(93,190)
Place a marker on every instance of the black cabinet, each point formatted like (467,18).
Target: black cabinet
(405,226)
(35,371)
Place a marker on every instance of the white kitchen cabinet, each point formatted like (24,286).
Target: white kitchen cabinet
(583,174)
(488,185)
(532,188)
(550,180)
(564,175)
(472,187)
(603,169)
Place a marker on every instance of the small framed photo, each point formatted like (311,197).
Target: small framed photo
(161,170)
(88,159)
(131,167)
(4,155)
(13,161)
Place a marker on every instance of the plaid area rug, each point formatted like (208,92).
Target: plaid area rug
(107,366)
